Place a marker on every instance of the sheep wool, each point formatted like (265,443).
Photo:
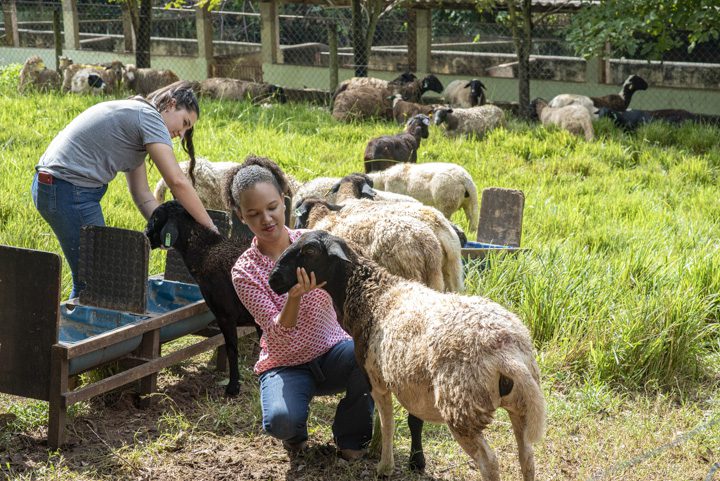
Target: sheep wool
(474,121)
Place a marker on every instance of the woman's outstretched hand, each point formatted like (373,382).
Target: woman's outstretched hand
(305,283)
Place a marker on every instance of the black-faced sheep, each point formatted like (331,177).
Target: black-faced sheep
(473,121)
(630,120)
(209,257)
(232,89)
(618,102)
(447,187)
(574,118)
(385,151)
(142,81)
(35,75)
(465,93)
(447,358)
(360,186)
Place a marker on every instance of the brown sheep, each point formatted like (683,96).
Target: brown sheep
(232,89)
(34,75)
(142,81)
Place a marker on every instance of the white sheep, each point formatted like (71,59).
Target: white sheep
(475,121)
(574,118)
(465,93)
(619,102)
(447,358)
(233,89)
(87,81)
(83,78)
(563,100)
(360,186)
(447,187)
(142,81)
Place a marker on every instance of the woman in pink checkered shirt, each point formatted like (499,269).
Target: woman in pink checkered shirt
(304,351)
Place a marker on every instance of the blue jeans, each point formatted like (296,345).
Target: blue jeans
(67,207)
(285,394)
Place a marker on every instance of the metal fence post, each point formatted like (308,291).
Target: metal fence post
(203,24)
(333,48)
(58,37)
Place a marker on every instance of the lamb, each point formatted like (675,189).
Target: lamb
(232,89)
(142,81)
(385,151)
(474,121)
(35,75)
(464,93)
(574,118)
(630,120)
(618,102)
(209,257)
(447,358)
(447,187)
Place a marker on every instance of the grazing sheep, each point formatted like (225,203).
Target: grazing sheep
(360,186)
(574,118)
(142,81)
(447,358)
(385,151)
(447,187)
(35,75)
(630,120)
(232,89)
(618,102)
(473,121)
(209,257)
(464,93)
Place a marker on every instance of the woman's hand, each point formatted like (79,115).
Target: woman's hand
(305,284)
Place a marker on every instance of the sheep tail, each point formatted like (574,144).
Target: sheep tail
(471,206)
(528,400)
(160,189)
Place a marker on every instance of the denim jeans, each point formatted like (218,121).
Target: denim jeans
(67,207)
(285,394)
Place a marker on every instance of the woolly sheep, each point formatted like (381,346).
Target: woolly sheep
(475,121)
(142,81)
(360,186)
(404,110)
(385,151)
(408,85)
(630,120)
(618,102)
(87,81)
(447,187)
(209,257)
(83,78)
(465,93)
(574,118)
(447,358)
(233,89)
(35,75)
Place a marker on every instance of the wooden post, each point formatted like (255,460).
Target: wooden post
(149,349)
(71,25)
(270,33)
(12,35)
(203,24)
(333,47)
(57,415)
(57,34)
(424,38)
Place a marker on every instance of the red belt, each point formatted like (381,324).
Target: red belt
(45,178)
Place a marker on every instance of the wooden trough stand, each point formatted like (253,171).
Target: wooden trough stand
(121,315)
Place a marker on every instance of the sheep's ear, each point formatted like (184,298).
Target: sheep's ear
(367,192)
(467,85)
(334,188)
(300,211)
(334,249)
(169,234)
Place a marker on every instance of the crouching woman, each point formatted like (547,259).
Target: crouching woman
(304,351)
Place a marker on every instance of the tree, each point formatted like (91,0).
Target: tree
(643,28)
(140,13)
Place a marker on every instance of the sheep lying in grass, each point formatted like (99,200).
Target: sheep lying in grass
(474,121)
(406,84)
(447,187)
(89,78)
(447,358)
(209,257)
(142,81)
(232,89)
(387,150)
(630,120)
(574,118)
(88,81)
(404,110)
(617,102)
(35,75)
(465,93)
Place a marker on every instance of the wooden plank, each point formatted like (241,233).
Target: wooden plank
(57,414)
(29,305)
(149,349)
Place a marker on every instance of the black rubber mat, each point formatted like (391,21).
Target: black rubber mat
(175,269)
(114,267)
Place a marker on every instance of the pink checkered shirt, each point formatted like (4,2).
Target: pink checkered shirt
(317,328)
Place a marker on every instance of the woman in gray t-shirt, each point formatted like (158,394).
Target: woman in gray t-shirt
(110,137)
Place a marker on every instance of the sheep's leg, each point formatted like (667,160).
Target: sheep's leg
(417,457)
(525,449)
(383,403)
(231,348)
(478,449)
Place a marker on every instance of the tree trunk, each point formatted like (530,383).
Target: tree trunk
(358,40)
(142,50)
(521,21)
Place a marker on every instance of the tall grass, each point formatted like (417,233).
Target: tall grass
(620,284)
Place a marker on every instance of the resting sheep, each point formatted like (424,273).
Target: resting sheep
(232,89)
(473,121)
(574,118)
(447,358)
(142,81)
(465,93)
(35,75)
(630,120)
(618,102)
(404,110)
(88,78)
(447,187)
(385,151)
(209,257)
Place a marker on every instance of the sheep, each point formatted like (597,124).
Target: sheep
(630,120)
(35,75)
(447,358)
(618,102)
(447,187)
(87,78)
(404,110)
(408,85)
(209,257)
(383,152)
(465,93)
(574,118)
(87,81)
(474,121)
(142,81)
(443,229)
(360,186)
(232,89)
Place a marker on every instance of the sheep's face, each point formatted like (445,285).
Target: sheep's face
(635,82)
(477,92)
(419,121)
(440,115)
(433,83)
(315,251)
(162,227)
(361,186)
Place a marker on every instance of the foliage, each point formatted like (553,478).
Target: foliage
(643,28)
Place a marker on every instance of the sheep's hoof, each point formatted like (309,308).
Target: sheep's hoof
(232,391)
(384,469)
(417,461)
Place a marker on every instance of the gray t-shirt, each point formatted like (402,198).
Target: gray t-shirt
(107,138)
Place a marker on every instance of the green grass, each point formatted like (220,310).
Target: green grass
(619,286)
